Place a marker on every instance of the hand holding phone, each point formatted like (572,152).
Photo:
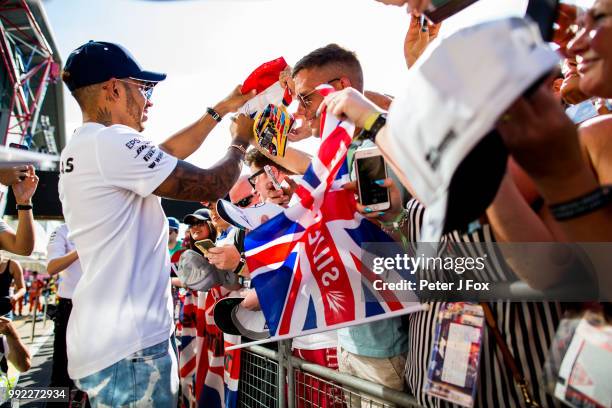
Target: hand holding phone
(273,179)
(370,167)
(204,245)
(440,10)
(544,13)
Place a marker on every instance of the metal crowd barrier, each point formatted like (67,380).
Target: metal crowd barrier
(306,385)
(258,385)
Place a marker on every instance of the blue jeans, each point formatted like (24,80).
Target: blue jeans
(147,378)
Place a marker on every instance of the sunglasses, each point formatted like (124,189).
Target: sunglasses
(197,223)
(245,202)
(306,100)
(253,177)
(145,88)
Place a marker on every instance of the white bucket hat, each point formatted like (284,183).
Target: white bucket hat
(442,126)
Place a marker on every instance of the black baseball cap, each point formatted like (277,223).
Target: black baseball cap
(234,319)
(200,215)
(98,61)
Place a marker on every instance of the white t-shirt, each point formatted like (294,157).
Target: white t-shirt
(4,226)
(226,237)
(60,245)
(122,303)
(328,339)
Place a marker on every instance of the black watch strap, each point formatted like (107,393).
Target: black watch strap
(241,264)
(380,121)
(214,114)
(24,207)
(371,133)
(582,205)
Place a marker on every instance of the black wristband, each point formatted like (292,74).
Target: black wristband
(23,207)
(378,124)
(582,205)
(214,114)
(241,264)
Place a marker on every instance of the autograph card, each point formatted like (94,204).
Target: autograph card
(453,367)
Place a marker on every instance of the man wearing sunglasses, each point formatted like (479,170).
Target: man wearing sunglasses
(373,351)
(242,194)
(228,253)
(110,183)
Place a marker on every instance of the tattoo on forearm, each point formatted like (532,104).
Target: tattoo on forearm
(104,116)
(190,183)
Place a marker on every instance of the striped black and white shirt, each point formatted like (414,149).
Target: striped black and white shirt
(528,329)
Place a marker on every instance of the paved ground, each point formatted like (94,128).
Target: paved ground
(41,348)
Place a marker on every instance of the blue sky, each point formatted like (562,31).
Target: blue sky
(206,47)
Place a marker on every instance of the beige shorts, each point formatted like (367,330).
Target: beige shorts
(385,371)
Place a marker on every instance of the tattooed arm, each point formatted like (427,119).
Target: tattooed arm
(190,183)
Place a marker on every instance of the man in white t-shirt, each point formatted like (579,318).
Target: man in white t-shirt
(62,259)
(110,183)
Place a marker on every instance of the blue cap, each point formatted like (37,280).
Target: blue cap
(98,61)
(173,223)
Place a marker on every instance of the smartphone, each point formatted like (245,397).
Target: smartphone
(440,10)
(275,182)
(369,167)
(204,245)
(545,14)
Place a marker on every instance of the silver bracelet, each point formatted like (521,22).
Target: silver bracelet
(242,149)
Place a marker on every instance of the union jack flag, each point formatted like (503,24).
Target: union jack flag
(306,262)
(218,370)
(187,348)
(187,303)
(207,371)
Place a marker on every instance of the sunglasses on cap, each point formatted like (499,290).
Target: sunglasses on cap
(244,202)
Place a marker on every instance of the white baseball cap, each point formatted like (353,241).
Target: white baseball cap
(247,218)
(442,126)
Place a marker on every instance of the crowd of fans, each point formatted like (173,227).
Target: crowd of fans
(121,249)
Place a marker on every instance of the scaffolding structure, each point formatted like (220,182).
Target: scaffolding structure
(28,61)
